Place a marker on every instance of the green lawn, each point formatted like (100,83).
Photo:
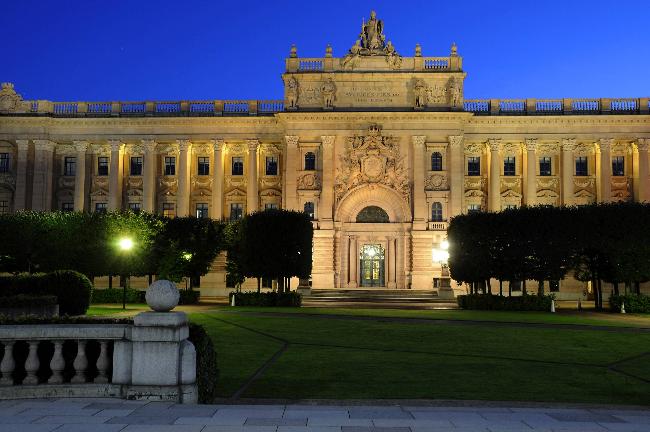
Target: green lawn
(345,357)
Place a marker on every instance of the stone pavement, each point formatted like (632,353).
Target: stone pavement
(111,415)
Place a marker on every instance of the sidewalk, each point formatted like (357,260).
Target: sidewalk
(112,415)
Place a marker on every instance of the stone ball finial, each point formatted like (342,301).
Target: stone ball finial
(328,51)
(418,50)
(293,53)
(162,295)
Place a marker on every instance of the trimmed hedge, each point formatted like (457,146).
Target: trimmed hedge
(634,303)
(22,300)
(189,296)
(496,302)
(207,372)
(251,298)
(70,287)
(114,295)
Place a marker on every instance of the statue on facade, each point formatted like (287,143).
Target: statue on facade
(455,93)
(292,93)
(9,99)
(328,90)
(372,34)
(420,93)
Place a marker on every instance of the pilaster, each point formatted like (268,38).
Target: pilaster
(252,190)
(183,198)
(531,171)
(495,175)
(419,197)
(217,179)
(327,193)
(80,175)
(20,194)
(291,161)
(149,183)
(115,176)
(605,178)
(456,174)
(568,146)
(42,186)
(641,180)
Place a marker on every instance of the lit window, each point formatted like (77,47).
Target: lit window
(473,208)
(168,210)
(67,207)
(237,165)
(618,166)
(102,166)
(204,166)
(436,212)
(310,161)
(4,207)
(545,166)
(436,161)
(309,209)
(170,165)
(101,207)
(271,165)
(270,206)
(509,166)
(201,210)
(136,166)
(474,166)
(236,211)
(69,165)
(581,166)
(4,162)
(510,207)
(134,207)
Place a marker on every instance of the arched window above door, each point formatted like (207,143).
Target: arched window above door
(373,214)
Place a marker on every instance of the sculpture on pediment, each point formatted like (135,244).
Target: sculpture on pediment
(372,159)
(309,181)
(9,99)
(291,90)
(328,91)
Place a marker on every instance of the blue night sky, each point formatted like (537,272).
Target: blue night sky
(168,50)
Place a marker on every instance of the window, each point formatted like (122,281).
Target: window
(4,207)
(134,207)
(554,285)
(271,165)
(201,210)
(545,166)
(236,211)
(436,161)
(101,207)
(618,166)
(436,212)
(67,207)
(102,166)
(168,210)
(204,166)
(515,285)
(310,161)
(372,214)
(473,208)
(170,165)
(237,165)
(69,165)
(136,166)
(474,166)
(270,206)
(509,166)
(510,207)
(309,209)
(581,166)
(4,162)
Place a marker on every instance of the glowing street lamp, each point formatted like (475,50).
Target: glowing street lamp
(126,245)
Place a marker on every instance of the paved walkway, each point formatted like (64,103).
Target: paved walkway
(111,415)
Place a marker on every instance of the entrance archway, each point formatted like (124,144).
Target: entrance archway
(371,264)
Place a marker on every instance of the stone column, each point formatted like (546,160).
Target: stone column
(531,171)
(115,176)
(642,188)
(353,258)
(568,145)
(391,263)
(80,175)
(42,186)
(183,199)
(327,192)
(252,194)
(605,181)
(149,183)
(456,174)
(291,158)
(400,261)
(217,179)
(20,194)
(495,175)
(419,197)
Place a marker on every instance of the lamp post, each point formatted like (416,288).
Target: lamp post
(440,255)
(187,256)
(125,244)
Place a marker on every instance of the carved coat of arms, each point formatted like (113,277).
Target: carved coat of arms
(372,158)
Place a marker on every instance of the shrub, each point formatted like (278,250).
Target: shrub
(634,303)
(496,302)
(114,295)
(23,300)
(251,298)
(189,296)
(207,372)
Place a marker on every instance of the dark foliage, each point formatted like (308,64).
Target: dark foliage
(207,371)
(634,303)
(114,295)
(496,302)
(291,298)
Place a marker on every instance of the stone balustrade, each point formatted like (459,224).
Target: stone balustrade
(330,64)
(557,106)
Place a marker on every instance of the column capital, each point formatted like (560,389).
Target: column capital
(642,144)
(183,144)
(116,145)
(80,146)
(568,144)
(218,144)
(44,145)
(149,146)
(456,141)
(605,144)
(22,144)
(494,144)
(252,144)
(419,140)
(327,141)
(531,144)
(291,140)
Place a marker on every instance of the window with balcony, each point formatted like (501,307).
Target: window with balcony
(310,161)
(102,166)
(170,165)
(436,212)
(136,166)
(509,166)
(4,162)
(201,210)
(271,165)
(236,211)
(581,166)
(545,166)
(237,165)
(436,161)
(203,166)
(474,166)
(618,166)
(308,208)
(69,166)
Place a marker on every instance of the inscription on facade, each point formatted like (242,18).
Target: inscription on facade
(364,95)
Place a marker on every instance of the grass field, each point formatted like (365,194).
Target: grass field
(381,353)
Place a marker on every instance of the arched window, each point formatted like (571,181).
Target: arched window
(372,214)
(436,161)
(310,161)
(436,212)
(309,209)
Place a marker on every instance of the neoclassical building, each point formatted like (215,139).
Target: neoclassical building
(381,149)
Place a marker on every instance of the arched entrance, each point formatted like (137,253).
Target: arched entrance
(371,263)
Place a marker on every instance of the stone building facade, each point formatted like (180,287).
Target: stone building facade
(382,149)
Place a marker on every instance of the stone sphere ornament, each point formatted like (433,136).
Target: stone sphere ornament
(162,295)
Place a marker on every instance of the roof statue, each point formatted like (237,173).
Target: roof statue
(372,42)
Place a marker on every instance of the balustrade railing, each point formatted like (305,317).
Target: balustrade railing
(549,106)
(168,107)
(477,105)
(310,65)
(440,63)
(558,106)
(438,226)
(235,107)
(512,105)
